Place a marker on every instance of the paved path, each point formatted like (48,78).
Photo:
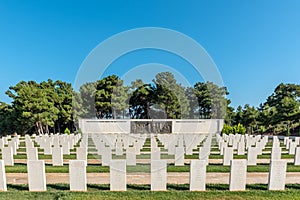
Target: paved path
(144,178)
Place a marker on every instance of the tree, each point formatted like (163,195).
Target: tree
(84,101)
(250,116)
(212,100)
(119,99)
(281,110)
(193,102)
(141,100)
(171,96)
(8,123)
(34,103)
(103,98)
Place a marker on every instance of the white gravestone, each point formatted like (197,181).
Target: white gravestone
(66,148)
(1,143)
(77,175)
(297,156)
(57,156)
(130,156)
(197,175)
(292,148)
(36,175)
(118,175)
(238,175)
(158,175)
(252,156)
(13,145)
(81,153)
(228,156)
(241,148)
(106,156)
(119,148)
(155,153)
(32,153)
(3,186)
(277,175)
(7,156)
(179,156)
(276,153)
(48,148)
(204,154)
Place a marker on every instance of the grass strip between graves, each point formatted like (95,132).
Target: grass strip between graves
(97,168)
(213,191)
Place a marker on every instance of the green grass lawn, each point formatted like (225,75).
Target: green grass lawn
(96,168)
(213,191)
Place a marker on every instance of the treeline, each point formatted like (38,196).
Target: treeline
(54,106)
(279,114)
(163,98)
(37,108)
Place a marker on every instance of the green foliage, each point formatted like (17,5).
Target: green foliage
(236,129)
(52,106)
(39,107)
(170,95)
(67,131)
(227,129)
(239,129)
(211,100)
(103,98)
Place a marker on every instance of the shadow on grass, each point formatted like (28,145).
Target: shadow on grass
(98,187)
(18,187)
(292,186)
(183,187)
(58,187)
(219,187)
(139,187)
(257,187)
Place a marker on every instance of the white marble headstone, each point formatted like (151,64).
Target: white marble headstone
(297,156)
(238,174)
(118,175)
(7,156)
(32,153)
(252,156)
(158,175)
(228,156)
(197,175)
(130,156)
(57,156)
(3,186)
(179,156)
(277,175)
(77,173)
(36,175)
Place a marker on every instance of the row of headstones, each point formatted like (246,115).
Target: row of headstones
(234,139)
(241,143)
(9,146)
(32,153)
(48,142)
(187,141)
(181,145)
(253,152)
(107,144)
(78,177)
(8,142)
(119,142)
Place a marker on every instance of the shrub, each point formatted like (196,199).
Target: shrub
(67,131)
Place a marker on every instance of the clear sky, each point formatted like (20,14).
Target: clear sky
(255,44)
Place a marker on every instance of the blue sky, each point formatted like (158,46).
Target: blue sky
(255,44)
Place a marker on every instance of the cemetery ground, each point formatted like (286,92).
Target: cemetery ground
(175,191)
(217,176)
